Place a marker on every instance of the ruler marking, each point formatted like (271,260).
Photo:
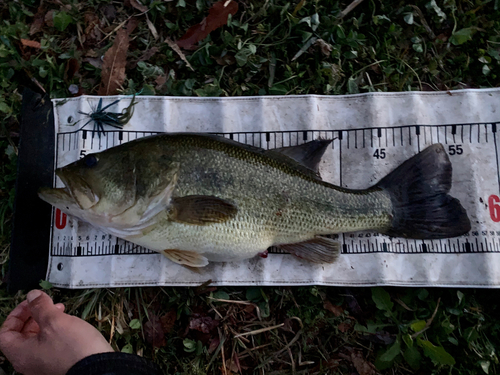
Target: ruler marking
(417,132)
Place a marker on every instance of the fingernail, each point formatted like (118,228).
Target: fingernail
(34,294)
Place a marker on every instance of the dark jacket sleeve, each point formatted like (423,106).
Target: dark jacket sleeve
(114,364)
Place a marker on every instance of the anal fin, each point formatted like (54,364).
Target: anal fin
(317,250)
(186,258)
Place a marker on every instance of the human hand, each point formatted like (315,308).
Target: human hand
(39,338)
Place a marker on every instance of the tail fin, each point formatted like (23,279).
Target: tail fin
(418,188)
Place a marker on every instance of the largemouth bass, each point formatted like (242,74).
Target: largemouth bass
(199,198)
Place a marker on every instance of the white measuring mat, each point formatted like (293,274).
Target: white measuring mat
(372,134)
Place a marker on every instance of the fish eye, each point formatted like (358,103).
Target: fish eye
(90,160)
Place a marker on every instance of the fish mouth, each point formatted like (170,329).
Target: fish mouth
(59,197)
(76,192)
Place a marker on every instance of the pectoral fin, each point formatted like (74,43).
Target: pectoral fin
(186,258)
(201,210)
(317,250)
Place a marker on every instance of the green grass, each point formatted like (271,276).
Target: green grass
(278,48)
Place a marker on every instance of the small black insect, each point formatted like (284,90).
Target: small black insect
(114,119)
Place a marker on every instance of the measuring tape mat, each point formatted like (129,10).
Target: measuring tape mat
(356,159)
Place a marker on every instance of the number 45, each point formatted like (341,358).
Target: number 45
(455,150)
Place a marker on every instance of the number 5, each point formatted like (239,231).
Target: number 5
(455,150)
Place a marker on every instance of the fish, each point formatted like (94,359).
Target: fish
(198,198)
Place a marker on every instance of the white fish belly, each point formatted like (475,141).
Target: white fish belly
(218,242)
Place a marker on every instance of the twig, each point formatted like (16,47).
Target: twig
(404,305)
(289,344)
(424,22)
(349,8)
(223,360)
(257,331)
(429,321)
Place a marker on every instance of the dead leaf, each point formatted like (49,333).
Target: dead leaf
(71,69)
(153,332)
(93,34)
(38,21)
(115,60)
(31,43)
(344,327)
(217,17)
(152,28)
(160,81)
(232,366)
(138,6)
(214,344)
(132,64)
(225,60)
(132,24)
(325,47)
(94,61)
(361,364)
(203,324)
(353,305)
(442,37)
(109,12)
(176,48)
(168,321)
(49,18)
(336,310)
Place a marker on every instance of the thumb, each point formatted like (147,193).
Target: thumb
(42,307)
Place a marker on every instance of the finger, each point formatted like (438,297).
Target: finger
(31,327)
(42,308)
(17,318)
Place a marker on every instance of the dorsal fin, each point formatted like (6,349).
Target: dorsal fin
(308,154)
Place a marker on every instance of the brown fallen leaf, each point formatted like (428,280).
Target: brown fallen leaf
(217,17)
(153,332)
(225,60)
(176,48)
(38,21)
(336,310)
(203,324)
(363,367)
(214,344)
(325,47)
(344,327)
(138,6)
(49,18)
(71,68)
(115,60)
(31,43)
(168,321)
(160,81)
(92,32)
